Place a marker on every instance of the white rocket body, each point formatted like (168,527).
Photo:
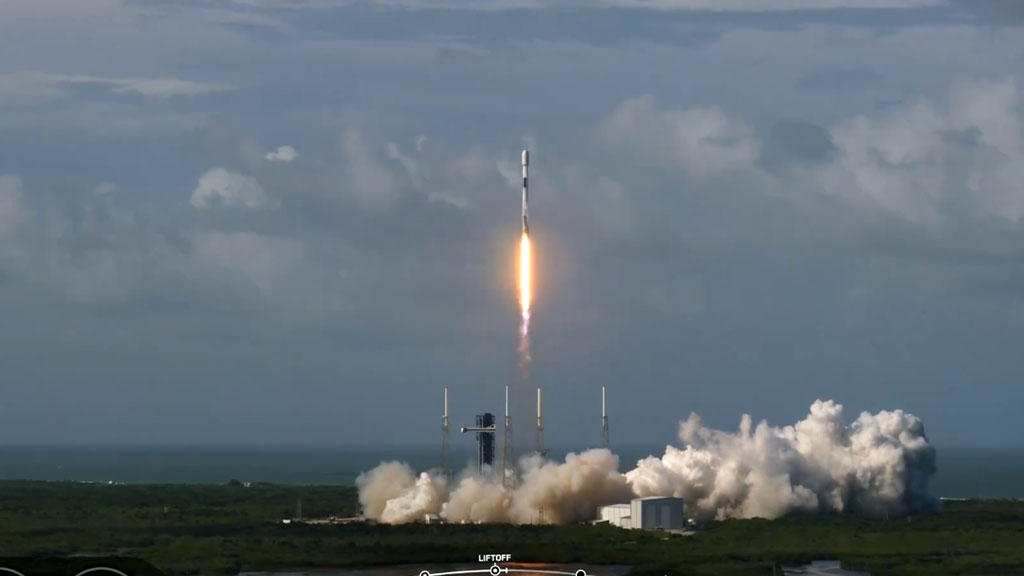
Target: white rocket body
(526,191)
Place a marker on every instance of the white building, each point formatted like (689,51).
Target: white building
(617,515)
(652,513)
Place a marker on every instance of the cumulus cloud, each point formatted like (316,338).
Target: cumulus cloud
(95,251)
(282,154)
(87,251)
(427,172)
(929,163)
(92,248)
(933,164)
(440,176)
(702,141)
(220,187)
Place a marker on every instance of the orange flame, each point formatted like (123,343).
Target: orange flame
(524,301)
(524,276)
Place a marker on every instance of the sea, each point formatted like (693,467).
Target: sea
(961,472)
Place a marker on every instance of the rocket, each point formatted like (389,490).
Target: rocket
(526,191)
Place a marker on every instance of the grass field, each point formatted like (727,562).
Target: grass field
(225,529)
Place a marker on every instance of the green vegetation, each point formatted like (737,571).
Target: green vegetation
(224,529)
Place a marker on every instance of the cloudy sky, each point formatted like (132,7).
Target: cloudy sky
(294,221)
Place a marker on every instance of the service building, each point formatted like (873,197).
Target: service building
(652,513)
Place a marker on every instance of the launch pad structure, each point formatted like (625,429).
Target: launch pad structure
(486,429)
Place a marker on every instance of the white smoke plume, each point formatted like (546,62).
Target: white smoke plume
(391,493)
(879,465)
(548,492)
(387,481)
(478,499)
(570,491)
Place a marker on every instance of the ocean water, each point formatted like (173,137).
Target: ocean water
(962,472)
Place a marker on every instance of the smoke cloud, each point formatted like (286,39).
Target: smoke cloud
(388,481)
(548,492)
(879,465)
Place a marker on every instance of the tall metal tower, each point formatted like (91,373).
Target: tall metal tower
(445,437)
(540,426)
(484,431)
(508,477)
(604,420)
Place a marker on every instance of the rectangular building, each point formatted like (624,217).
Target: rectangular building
(657,513)
(617,515)
(653,513)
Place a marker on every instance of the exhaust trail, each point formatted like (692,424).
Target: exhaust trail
(524,303)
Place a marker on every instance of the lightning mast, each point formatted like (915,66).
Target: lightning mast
(604,419)
(445,437)
(540,426)
(507,475)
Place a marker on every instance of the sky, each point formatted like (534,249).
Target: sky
(295,221)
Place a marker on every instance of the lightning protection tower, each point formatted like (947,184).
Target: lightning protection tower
(508,477)
(604,419)
(540,426)
(445,437)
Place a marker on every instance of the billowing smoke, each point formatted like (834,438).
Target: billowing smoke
(392,494)
(570,491)
(879,465)
(548,492)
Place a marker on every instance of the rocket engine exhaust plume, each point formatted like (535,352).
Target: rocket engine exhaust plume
(879,465)
(524,303)
(524,277)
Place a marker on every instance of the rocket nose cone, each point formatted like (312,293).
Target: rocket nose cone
(526,157)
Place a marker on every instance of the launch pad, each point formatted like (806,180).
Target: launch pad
(484,431)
